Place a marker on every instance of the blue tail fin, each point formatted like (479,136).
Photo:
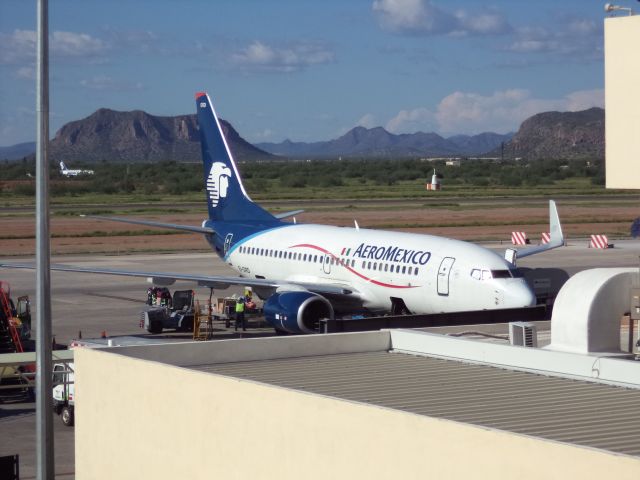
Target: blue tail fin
(226,197)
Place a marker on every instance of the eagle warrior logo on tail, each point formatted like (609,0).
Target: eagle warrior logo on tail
(218,182)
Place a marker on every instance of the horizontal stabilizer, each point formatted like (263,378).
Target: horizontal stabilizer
(150,223)
(280,216)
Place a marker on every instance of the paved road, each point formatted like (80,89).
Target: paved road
(93,303)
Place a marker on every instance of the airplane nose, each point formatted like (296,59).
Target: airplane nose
(522,296)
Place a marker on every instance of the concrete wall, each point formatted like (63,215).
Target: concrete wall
(141,419)
(622,101)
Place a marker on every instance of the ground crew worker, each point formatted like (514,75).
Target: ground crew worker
(240,314)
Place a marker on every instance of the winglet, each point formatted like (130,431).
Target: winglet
(555,228)
(557,238)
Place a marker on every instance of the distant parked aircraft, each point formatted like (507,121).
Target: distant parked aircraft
(73,173)
(306,273)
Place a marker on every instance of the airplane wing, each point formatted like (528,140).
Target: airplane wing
(557,238)
(151,223)
(211,281)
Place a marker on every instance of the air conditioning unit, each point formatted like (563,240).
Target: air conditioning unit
(523,334)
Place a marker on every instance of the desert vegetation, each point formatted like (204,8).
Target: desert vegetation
(352,178)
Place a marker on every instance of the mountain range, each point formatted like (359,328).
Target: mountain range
(140,137)
(378,142)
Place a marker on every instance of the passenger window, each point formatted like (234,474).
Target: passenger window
(369,265)
(305,257)
(415,271)
(403,269)
(386,267)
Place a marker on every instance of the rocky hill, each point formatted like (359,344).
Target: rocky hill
(139,137)
(559,135)
(378,142)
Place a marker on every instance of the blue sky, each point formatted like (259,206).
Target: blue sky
(307,70)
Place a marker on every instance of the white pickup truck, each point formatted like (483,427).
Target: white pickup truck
(64,392)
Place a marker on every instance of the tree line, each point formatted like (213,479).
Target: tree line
(180,178)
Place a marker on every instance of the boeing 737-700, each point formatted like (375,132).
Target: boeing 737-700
(305,273)
(73,173)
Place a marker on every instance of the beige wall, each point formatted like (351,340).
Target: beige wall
(141,419)
(622,101)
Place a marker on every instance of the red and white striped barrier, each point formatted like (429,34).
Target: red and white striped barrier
(599,241)
(518,238)
(545,238)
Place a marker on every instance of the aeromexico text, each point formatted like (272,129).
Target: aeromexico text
(391,254)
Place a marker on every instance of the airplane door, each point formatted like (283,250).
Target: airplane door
(443,275)
(227,242)
(326,264)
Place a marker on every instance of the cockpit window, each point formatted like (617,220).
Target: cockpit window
(486,275)
(500,273)
(475,273)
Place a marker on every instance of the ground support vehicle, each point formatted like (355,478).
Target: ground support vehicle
(64,392)
(177,317)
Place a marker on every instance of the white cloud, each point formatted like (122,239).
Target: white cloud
(584,99)
(368,120)
(502,111)
(70,44)
(26,73)
(264,135)
(572,39)
(106,83)
(417,119)
(261,57)
(19,47)
(422,17)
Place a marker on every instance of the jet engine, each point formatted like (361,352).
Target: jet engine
(297,311)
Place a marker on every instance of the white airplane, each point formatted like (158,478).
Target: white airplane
(73,173)
(309,272)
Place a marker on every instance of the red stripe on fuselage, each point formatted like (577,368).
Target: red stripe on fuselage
(376,282)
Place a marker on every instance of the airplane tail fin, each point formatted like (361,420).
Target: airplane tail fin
(226,197)
(63,166)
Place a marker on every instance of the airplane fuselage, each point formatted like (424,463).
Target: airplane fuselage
(429,274)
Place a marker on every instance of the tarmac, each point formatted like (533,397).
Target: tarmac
(88,305)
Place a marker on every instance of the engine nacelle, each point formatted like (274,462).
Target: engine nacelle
(297,311)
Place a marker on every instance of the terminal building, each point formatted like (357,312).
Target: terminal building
(376,405)
(622,101)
